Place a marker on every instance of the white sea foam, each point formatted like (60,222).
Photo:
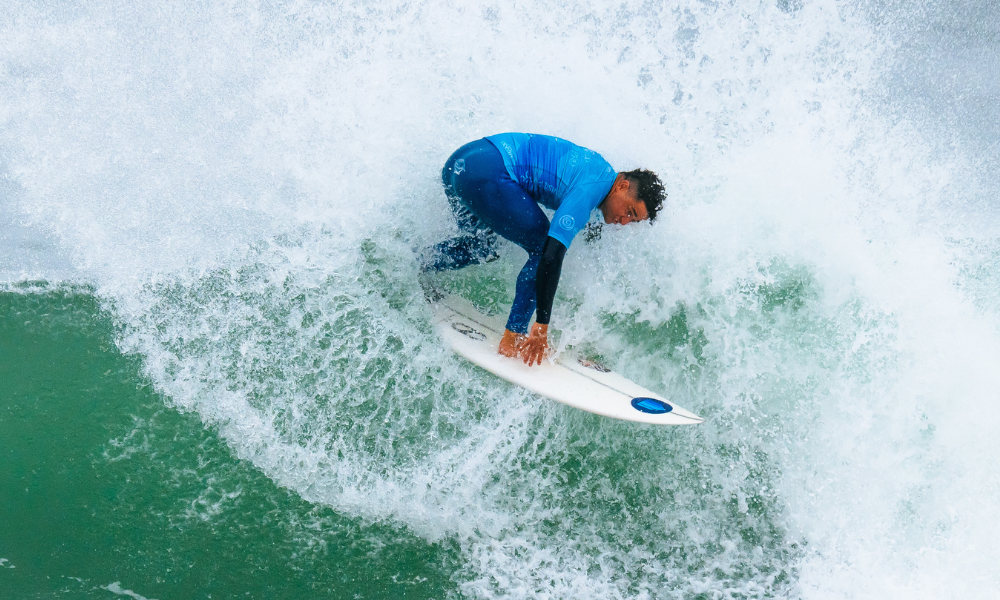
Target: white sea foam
(117,589)
(245,185)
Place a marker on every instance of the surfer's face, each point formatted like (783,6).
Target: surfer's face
(621,206)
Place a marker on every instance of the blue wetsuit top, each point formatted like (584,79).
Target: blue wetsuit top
(559,175)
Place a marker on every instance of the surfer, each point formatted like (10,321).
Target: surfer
(494,187)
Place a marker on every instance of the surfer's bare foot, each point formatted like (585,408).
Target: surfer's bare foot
(509,343)
(534,346)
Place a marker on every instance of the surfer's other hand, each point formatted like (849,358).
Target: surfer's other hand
(509,343)
(533,347)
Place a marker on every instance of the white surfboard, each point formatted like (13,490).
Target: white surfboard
(579,383)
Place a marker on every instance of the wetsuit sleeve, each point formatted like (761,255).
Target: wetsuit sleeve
(571,216)
(574,211)
(549,269)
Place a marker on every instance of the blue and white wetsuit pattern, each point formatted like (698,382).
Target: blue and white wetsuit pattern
(559,175)
(495,186)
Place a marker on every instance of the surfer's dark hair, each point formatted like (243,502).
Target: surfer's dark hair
(648,189)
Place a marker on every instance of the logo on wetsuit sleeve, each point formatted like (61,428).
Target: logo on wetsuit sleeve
(567,222)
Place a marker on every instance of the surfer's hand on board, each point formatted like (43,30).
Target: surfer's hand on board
(533,347)
(509,343)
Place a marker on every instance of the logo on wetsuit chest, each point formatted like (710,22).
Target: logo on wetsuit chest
(567,222)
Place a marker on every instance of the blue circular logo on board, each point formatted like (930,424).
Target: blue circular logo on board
(567,222)
(651,406)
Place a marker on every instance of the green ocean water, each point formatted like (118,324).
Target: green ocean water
(111,489)
(104,486)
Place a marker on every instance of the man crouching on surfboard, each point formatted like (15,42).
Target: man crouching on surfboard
(494,186)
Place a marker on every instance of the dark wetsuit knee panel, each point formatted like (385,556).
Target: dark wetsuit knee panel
(524,222)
